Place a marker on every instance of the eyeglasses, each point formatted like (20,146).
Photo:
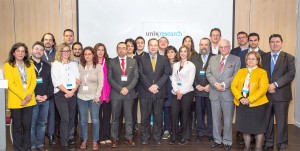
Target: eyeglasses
(65,51)
(223,47)
(241,37)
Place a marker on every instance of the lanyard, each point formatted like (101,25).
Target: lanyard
(67,70)
(38,71)
(22,72)
(47,55)
(87,74)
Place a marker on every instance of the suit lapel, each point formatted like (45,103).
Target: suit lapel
(118,63)
(18,75)
(128,64)
(267,64)
(199,57)
(158,62)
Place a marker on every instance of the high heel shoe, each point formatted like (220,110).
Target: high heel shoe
(83,145)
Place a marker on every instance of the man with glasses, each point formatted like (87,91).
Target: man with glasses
(220,72)
(242,39)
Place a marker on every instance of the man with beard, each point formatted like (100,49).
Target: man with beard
(202,86)
(77,50)
(53,116)
(44,91)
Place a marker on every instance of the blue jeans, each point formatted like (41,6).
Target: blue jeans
(84,106)
(38,124)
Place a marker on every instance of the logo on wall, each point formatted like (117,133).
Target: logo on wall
(164,34)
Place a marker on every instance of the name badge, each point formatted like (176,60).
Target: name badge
(202,73)
(123,78)
(179,83)
(39,80)
(70,85)
(24,86)
(85,88)
(245,91)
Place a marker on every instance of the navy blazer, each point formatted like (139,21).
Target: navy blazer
(148,77)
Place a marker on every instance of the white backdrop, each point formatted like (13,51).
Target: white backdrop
(112,21)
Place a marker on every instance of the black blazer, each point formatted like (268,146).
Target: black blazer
(243,54)
(236,51)
(114,78)
(148,77)
(283,73)
(202,80)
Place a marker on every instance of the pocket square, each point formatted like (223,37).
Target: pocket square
(130,67)
(230,66)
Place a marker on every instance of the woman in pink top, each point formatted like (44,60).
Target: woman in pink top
(105,108)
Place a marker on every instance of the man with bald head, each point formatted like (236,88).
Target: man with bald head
(220,72)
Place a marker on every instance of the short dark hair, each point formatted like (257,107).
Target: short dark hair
(215,29)
(254,34)
(76,43)
(54,42)
(121,43)
(38,43)
(242,32)
(164,38)
(169,48)
(133,43)
(275,35)
(152,39)
(70,30)
(139,37)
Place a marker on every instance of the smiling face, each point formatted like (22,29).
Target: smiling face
(130,47)
(251,61)
(140,44)
(242,39)
(224,47)
(69,37)
(183,53)
(215,36)
(171,55)
(88,55)
(77,50)
(48,42)
(19,53)
(253,42)
(204,46)
(37,51)
(276,44)
(66,53)
(163,43)
(121,50)
(153,47)
(187,42)
(100,52)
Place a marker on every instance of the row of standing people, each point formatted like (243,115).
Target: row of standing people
(182,81)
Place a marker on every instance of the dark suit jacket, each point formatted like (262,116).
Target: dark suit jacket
(148,77)
(202,80)
(114,78)
(283,73)
(236,51)
(243,54)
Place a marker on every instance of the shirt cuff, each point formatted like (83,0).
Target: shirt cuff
(276,84)
(224,85)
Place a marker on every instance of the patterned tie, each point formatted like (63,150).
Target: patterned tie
(123,66)
(222,64)
(273,62)
(153,62)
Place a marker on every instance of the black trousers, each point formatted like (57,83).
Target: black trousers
(280,110)
(21,128)
(203,107)
(149,106)
(134,114)
(66,108)
(183,106)
(104,119)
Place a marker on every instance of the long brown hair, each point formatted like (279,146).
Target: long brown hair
(105,51)
(95,58)
(11,58)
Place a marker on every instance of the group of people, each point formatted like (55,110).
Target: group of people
(56,85)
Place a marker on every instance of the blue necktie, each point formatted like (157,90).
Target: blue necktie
(273,62)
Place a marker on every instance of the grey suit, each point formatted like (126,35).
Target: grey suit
(222,102)
(119,100)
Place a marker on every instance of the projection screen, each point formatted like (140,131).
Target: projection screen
(113,21)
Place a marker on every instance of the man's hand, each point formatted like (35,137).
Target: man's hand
(124,91)
(206,88)
(271,88)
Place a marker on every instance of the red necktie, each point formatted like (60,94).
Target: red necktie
(222,65)
(123,67)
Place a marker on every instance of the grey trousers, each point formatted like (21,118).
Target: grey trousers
(116,108)
(225,109)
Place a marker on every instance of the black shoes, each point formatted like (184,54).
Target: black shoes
(210,138)
(268,147)
(227,147)
(214,145)
(71,141)
(52,140)
(172,142)
(183,142)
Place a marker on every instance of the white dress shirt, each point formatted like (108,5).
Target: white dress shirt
(62,74)
(185,77)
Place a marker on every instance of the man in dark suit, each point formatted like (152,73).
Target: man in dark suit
(154,72)
(242,39)
(122,76)
(202,86)
(220,72)
(253,46)
(281,70)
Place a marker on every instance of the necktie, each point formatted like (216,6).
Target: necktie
(153,62)
(123,66)
(273,62)
(222,65)
(204,60)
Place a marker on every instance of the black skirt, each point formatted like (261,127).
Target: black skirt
(251,120)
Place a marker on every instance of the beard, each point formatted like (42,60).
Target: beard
(76,54)
(203,52)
